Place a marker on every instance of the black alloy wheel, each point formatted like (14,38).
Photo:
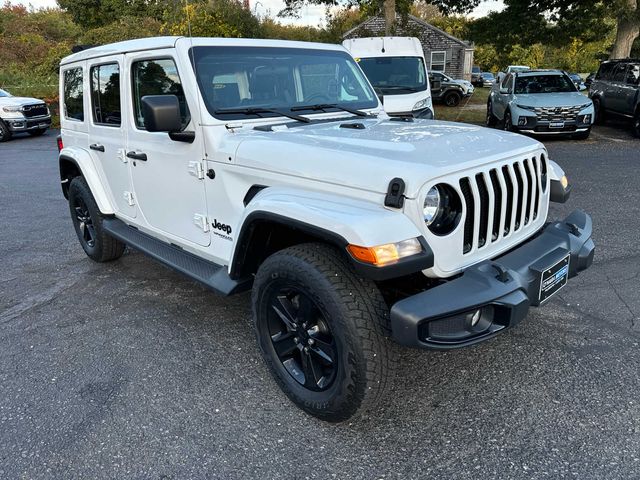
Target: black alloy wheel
(302,339)
(84,224)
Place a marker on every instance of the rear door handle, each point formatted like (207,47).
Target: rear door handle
(95,146)
(137,156)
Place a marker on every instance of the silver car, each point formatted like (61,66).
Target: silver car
(541,102)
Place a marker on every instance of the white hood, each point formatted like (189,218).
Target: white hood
(560,99)
(368,158)
(19,101)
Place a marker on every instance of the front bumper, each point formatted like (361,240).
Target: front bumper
(502,290)
(25,124)
(527,123)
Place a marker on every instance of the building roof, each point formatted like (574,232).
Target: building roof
(416,20)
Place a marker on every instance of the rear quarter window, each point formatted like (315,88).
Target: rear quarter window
(73,94)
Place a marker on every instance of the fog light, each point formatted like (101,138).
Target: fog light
(522,121)
(587,119)
(474,318)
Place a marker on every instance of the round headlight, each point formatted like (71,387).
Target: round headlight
(442,209)
(431,205)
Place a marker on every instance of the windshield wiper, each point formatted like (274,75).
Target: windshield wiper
(401,87)
(324,106)
(258,110)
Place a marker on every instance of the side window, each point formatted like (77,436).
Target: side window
(633,74)
(604,73)
(105,94)
(157,77)
(73,94)
(438,61)
(506,81)
(620,73)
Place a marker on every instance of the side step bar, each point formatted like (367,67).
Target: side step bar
(214,276)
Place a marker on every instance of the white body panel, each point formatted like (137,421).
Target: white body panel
(330,177)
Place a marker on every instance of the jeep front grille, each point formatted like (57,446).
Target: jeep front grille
(557,114)
(36,110)
(502,201)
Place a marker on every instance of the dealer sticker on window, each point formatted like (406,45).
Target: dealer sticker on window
(554,278)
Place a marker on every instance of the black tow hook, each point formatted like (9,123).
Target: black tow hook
(503,275)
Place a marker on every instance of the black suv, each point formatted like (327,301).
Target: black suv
(445,91)
(616,90)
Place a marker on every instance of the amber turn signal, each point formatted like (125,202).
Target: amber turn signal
(386,254)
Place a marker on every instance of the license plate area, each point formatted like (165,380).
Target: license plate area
(556,125)
(553,279)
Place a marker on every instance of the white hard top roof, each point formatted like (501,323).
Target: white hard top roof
(154,43)
(384,47)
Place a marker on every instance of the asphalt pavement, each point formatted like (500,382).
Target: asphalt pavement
(129,370)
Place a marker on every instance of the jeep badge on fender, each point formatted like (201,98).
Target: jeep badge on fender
(306,163)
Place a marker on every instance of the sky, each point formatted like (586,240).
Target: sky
(309,15)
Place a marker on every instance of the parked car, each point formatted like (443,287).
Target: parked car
(577,80)
(589,79)
(396,68)
(476,76)
(544,102)
(288,179)
(448,91)
(487,79)
(467,86)
(616,91)
(22,114)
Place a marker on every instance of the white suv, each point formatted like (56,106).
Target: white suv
(271,166)
(22,114)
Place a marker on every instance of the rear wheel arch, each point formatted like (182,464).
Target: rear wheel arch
(69,169)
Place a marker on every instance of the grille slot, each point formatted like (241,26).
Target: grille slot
(501,202)
(484,210)
(468,221)
(497,193)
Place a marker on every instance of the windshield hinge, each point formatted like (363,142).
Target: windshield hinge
(196,168)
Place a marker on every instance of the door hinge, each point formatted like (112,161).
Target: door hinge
(201,221)
(128,196)
(196,169)
(122,156)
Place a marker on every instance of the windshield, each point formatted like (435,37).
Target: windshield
(395,75)
(544,84)
(247,79)
(4,93)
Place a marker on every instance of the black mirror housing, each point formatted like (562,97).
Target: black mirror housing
(161,113)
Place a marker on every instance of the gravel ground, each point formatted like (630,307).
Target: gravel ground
(129,370)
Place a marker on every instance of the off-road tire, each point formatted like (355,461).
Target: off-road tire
(38,132)
(358,319)
(5,133)
(104,247)
(491,120)
(452,99)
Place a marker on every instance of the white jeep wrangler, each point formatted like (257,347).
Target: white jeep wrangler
(271,166)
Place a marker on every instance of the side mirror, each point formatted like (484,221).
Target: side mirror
(161,113)
(504,91)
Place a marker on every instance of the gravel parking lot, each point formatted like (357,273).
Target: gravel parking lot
(129,370)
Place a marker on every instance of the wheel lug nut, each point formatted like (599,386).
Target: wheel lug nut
(295,340)
(306,349)
(311,341)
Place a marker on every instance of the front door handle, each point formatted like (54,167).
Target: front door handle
(95,146)
(137,156)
